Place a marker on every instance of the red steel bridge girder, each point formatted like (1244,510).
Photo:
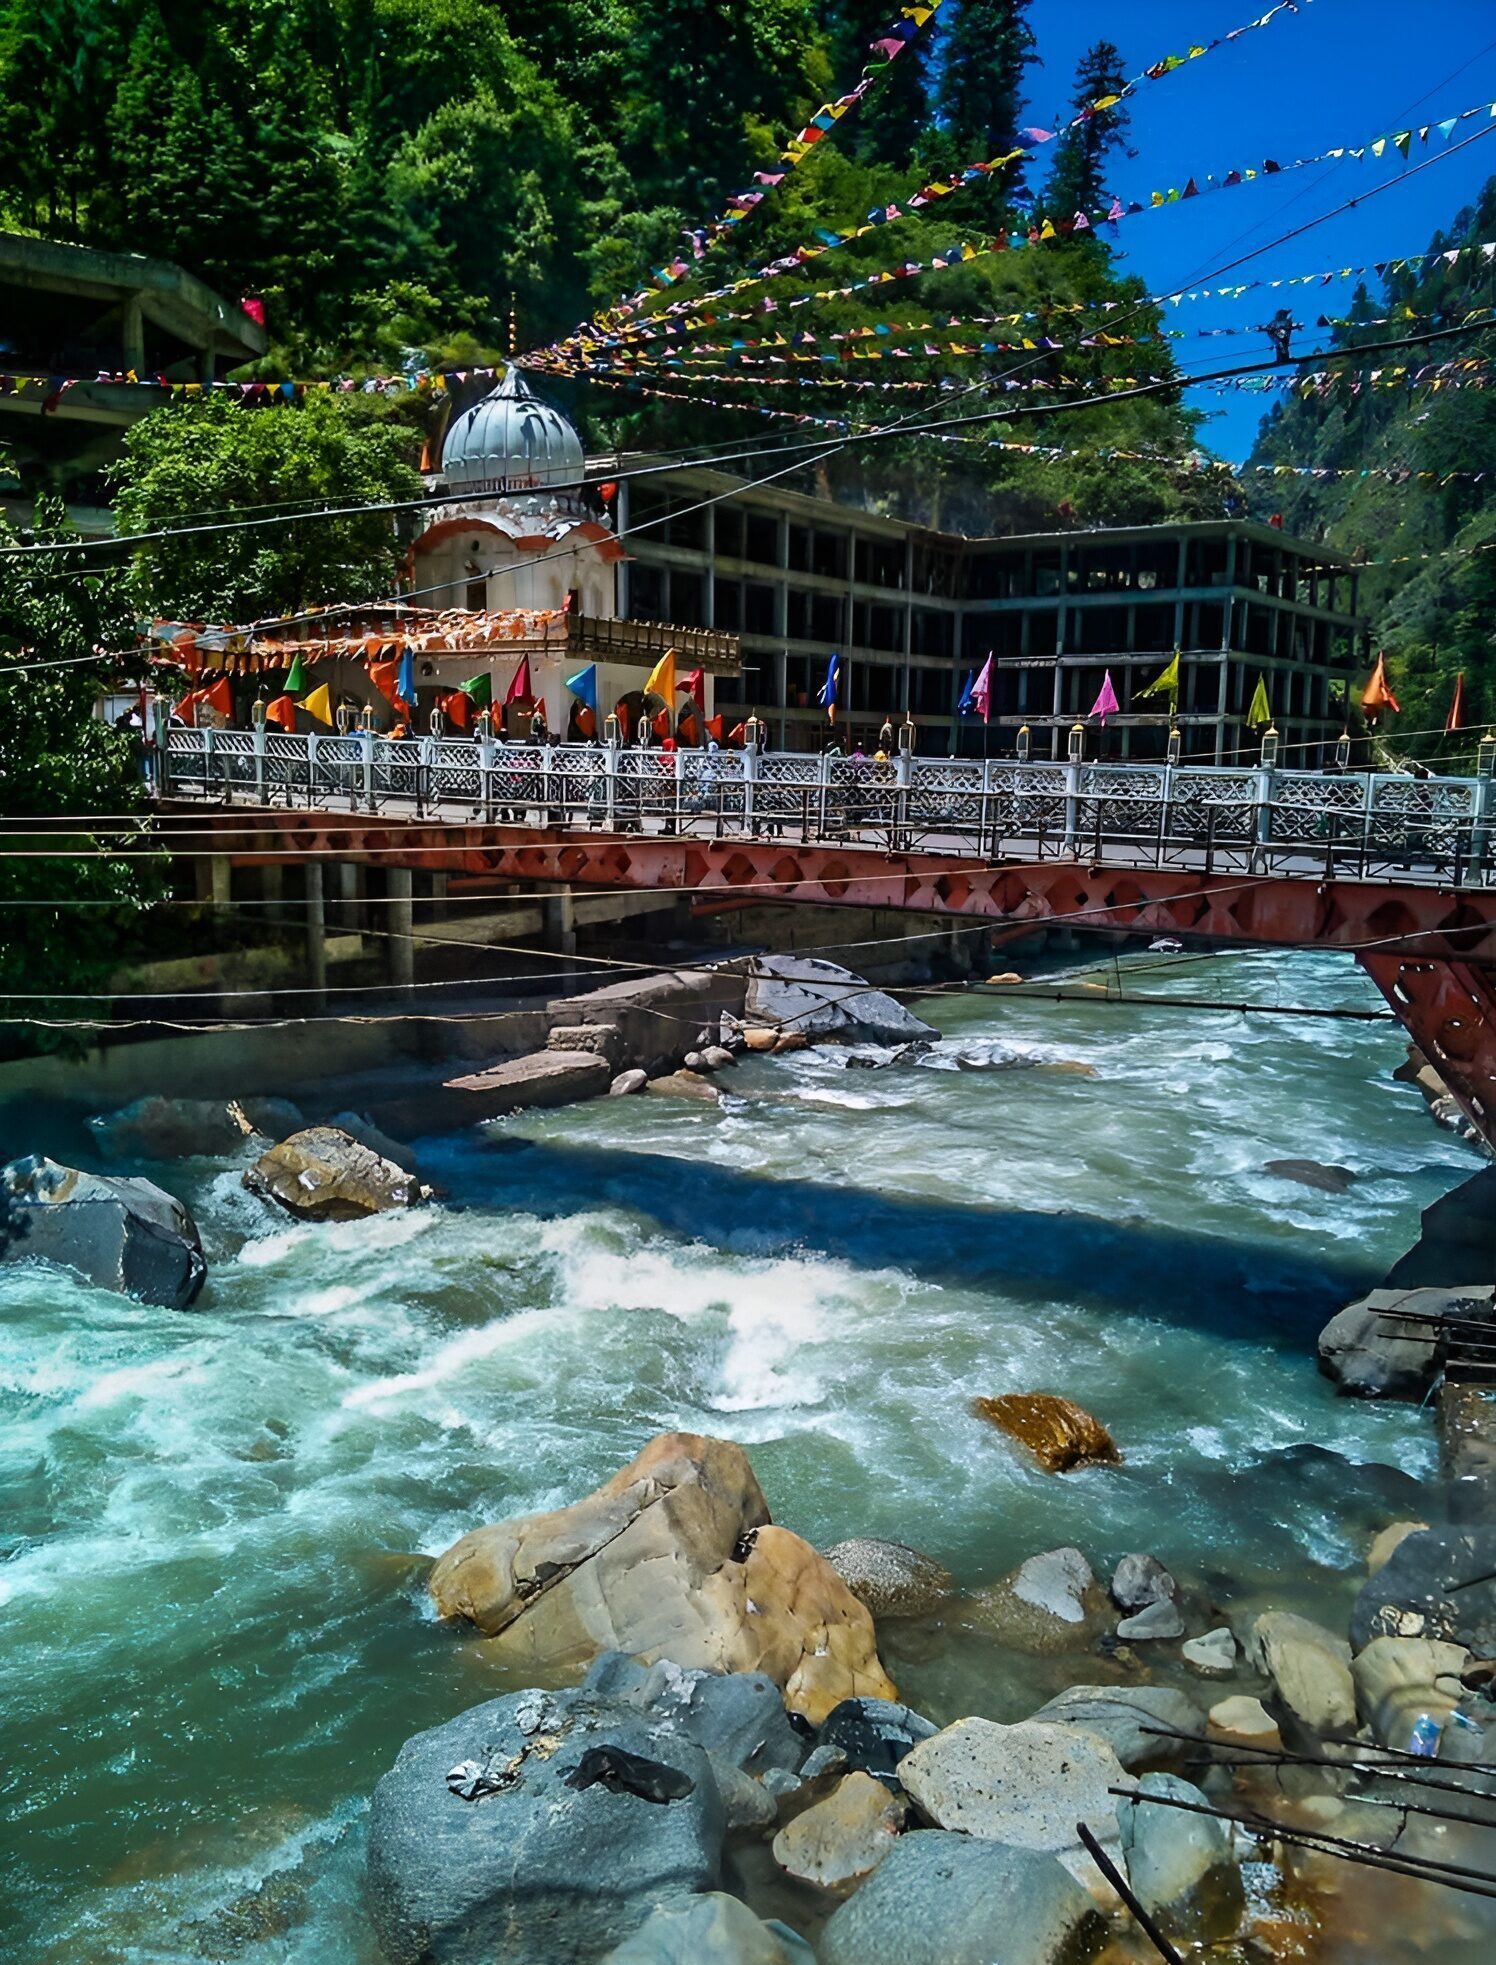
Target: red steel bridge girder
(1430,950)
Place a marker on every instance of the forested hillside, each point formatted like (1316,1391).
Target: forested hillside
(390,176)
(1424,512)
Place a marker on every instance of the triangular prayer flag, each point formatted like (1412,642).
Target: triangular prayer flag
(661,680)
(220,696)
(693,684)
(1166,683)
(826,696)
(1259,712)
(1456,718)
(385,677)
(296,681)
(282,712)
(715,727)
(458,709)
(963,708)
(583,685)
(478,689)
(519,690)
(405,682)
(319,705)
(981,691)
(1106,703)
(1377,695)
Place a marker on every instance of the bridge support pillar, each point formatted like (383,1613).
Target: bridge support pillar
(560,910)
(215,880)
(1449,1011)
(402,944)
(316,935)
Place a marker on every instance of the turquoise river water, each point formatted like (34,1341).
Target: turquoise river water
(212,1633)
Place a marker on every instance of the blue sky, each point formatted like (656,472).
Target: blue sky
(1339,71)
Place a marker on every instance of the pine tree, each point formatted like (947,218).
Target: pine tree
(987,46)
(1077,181)
(892,122)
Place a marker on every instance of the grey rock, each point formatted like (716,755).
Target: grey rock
(1157,1620)
(874,1734)
(717,1057)
(1310,1668)
(695,1061)
(1056,1582)
(599,1040)
(360,1127)
(125,1235)
(738,1717)
(892,1579)
(824,1760)
(1372,1353)
(821,1000)
(1214,1654)
(712,1929)
(1136,1721)
(1312,1173)
(746,1803)
(1407,1596)
(942,1899)
(539,1079)
(1138,1581)
(779,1782)
(1050,1603)
(627,1082)
(160,1128)
(1181,1866)
(539,1868)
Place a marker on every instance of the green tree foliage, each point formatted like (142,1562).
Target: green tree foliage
(1429,590)
(60,761)
(988,44)
(1078,180)
(215,457)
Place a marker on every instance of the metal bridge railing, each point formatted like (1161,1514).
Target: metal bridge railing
(1360,826)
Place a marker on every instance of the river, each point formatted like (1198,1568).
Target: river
(214,1638)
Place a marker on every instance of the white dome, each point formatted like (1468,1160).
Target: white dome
(511,442)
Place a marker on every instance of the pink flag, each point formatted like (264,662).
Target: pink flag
(981,691)
(1106,703)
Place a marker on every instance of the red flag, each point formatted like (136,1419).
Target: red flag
(384,676)
(624,720)
(716,727)
(187,705)
(738,733)
(220,696)
(1456,718)
(660,723)
(1377,695)
(688,729)
(519,690)
(586,721)
(694,685)
(458,709)
(282,711)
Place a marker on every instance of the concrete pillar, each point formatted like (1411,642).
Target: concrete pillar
(438,897)
(214,880)
(132,333)
(316,935)
(559,910)
(347,907)
(401,927)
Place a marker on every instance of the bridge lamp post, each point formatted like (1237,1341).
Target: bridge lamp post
(1025,743)
(1271,742)
(1485,756)
(1343,751)
(1077,743)
(1175,746)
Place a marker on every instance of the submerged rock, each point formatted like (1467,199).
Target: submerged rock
(1059,1433)
(712,1929)
(484,1844)
(953,1900)
(159,1128)
(324,1174)
(1243,1722)
(125,1235)
(1180,1865)
(1052,1602)
(839,1840)
(892,1579)
(1312,1173)
(820,1000)
(1138,1581)
(674,1557)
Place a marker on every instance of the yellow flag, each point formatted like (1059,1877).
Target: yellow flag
(661,681)
(319,705)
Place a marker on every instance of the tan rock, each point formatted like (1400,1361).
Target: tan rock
(1310,1668)
(652,1564)
(1007,976)
(1243,1722)
(1059,1433)
(845,1836)
(790,1040)
(756,1038)
(324,1174)
(684,1084)
(1397,1679)
(1390,1538)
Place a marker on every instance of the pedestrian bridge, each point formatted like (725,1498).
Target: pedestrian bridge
(1398,871)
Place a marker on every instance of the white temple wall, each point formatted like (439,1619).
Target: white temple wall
(512,576)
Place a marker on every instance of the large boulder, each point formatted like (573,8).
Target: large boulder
(324,1174)
(953,1900)
(124,1235)
(160,1128)
(1059,1433)
(674,1557)
(892,1579)
(539,1826)
(875,1734)
(1409,1595)
(1027,1785)
(1181,1866)
(820,1000)
(1310,1668)
(1398,1680)
(1383,1346)
(1052,1602)
(712,1929)
(1138,1722)
(736,1717)
(839,1839)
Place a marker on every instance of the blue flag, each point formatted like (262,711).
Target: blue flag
(405,681)
(963,708)
(583,685)
(827,696)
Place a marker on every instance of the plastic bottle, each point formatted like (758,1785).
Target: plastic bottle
(1423,1740)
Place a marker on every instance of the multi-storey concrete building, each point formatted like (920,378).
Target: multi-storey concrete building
(914,612)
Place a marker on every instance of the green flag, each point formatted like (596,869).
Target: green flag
(479,688)
(298,680)
(1166,684)
(1260,715)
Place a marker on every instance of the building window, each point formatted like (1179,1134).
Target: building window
(763,539)
(687,598)
(758,608)
(646,592)
(477,594)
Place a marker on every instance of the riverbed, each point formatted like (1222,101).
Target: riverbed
(213,1636)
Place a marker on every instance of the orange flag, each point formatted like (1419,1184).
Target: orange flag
(458,709)
(1377,695)
(384,676)
(716,727)
(282,711)
(220,696)
(1456,718)
(660,724)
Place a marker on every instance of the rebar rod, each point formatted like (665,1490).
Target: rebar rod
(1119,1883)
